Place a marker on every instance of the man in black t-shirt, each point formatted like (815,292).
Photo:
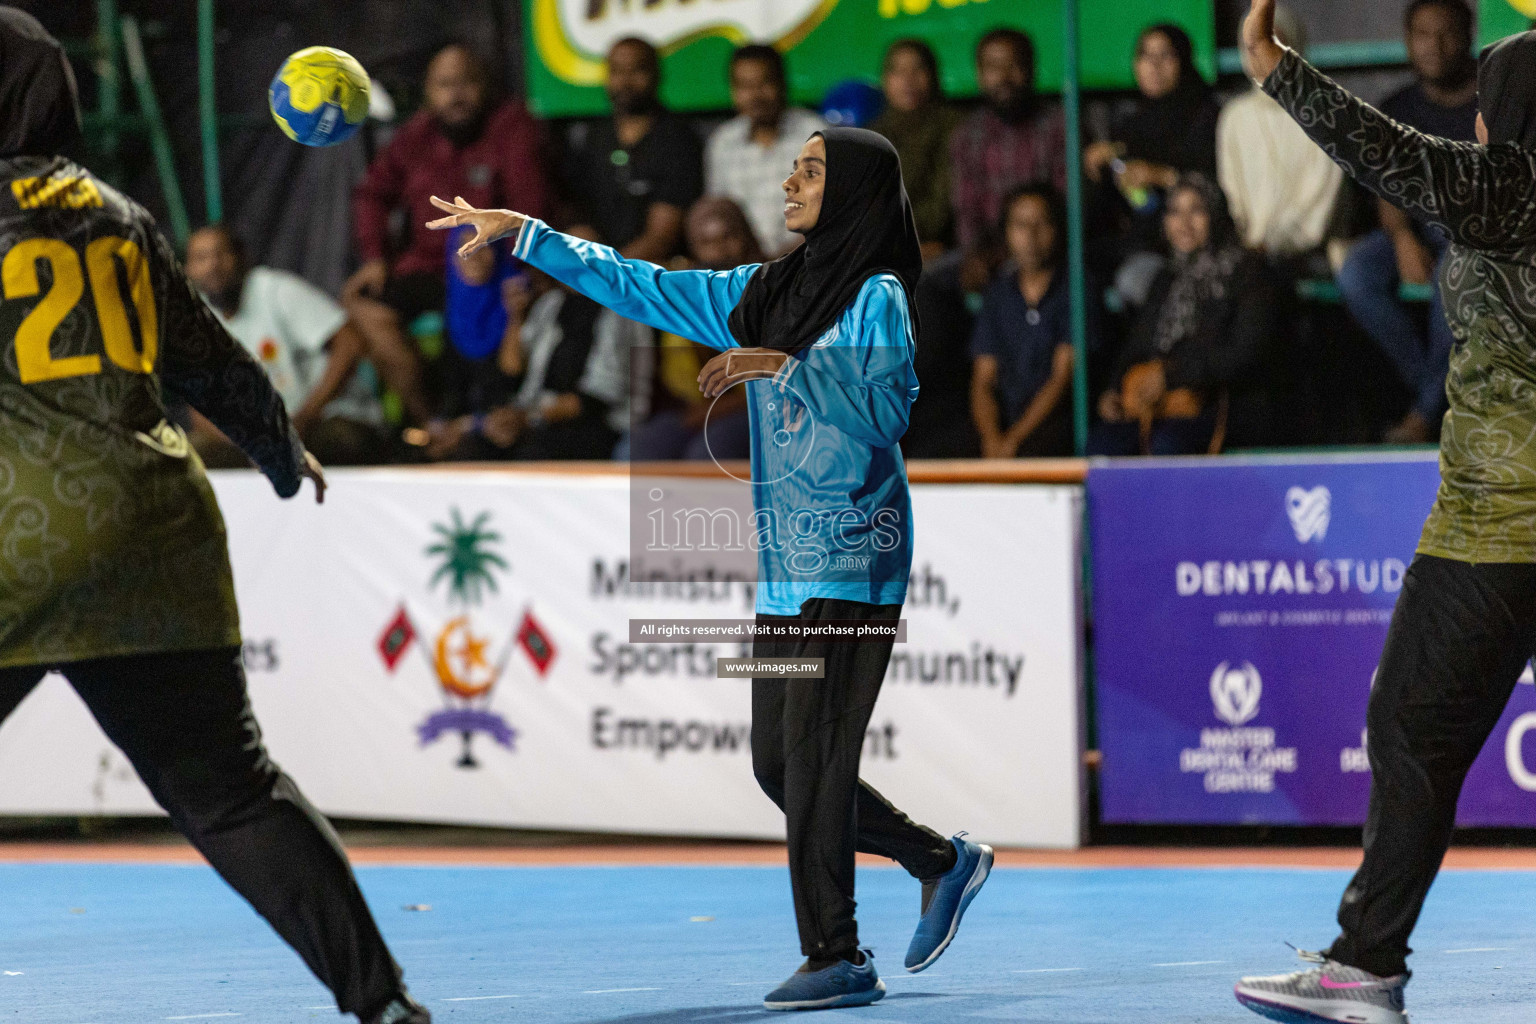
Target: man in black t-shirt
(632,177)
(1441,101)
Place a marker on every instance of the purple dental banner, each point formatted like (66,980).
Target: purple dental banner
(1240,608)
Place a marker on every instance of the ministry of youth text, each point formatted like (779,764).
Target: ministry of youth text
(1324,576)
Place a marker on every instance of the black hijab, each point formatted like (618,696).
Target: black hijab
(39,109)
(1201,277)
(1177,130)
(1506,90)
(865,228)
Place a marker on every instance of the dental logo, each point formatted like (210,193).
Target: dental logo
(1309,511)
(1235,693)
(1240,758)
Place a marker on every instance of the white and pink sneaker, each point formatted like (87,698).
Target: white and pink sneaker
(1329,992)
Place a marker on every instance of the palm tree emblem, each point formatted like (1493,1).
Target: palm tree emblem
(466,675)
(467,558)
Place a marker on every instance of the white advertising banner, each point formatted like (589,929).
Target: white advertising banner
(453,646)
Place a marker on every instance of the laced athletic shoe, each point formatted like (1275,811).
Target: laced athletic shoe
(944,901)
(842,984)
(402,1010)
(1329,992)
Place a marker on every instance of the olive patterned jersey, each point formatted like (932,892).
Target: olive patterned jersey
(111,542)
(1484,197)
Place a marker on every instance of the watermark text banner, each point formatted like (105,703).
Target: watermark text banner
(661,631)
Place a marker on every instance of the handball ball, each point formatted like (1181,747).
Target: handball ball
(320,96)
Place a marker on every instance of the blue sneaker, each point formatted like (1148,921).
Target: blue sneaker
(842,984)
(944,901)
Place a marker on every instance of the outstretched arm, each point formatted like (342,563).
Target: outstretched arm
(693,304)
(1485,197)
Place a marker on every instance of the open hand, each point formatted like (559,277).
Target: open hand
(489,225)
(1261,50)
(737,365)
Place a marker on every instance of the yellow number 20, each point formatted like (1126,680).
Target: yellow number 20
(110,312)
(18,276)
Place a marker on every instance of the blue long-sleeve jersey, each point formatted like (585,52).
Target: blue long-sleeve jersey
(833,517)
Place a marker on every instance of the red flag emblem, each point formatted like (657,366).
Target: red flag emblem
(397,638)
(533,639)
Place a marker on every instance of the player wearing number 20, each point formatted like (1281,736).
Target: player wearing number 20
(113,567)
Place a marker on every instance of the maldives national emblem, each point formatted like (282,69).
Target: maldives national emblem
(465,659)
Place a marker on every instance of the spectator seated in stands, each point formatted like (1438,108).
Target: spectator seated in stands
(1442,101)
(632,177)
(749,156)
(685,424)
(1170,129)
(939,423)
(486,300)
(573,401)
(462,143)
(312,353)
(920,124)
(1021,390)
(1199,345)
(1282,189)
(1014,139)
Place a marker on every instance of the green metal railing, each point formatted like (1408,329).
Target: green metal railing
(116,49)
(1072,101)
(159,138)
(1330,56)
(208,113)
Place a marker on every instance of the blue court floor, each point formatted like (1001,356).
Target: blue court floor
(103,944)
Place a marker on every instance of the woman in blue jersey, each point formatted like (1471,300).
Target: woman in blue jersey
(822,338)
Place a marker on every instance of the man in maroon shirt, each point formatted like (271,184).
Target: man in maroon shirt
(1013,139)
(459,144)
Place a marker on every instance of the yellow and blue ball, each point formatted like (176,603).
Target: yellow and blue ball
(320,96)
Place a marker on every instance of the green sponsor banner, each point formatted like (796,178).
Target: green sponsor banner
(1500,18)
(826,42)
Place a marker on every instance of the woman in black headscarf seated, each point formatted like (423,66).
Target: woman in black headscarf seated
(1170,130)
(1189,372)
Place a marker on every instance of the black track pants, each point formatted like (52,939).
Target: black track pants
(807,735)
(185,723)
(1459,639)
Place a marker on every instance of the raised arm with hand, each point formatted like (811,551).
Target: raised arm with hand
(1483,196)
(1260,47)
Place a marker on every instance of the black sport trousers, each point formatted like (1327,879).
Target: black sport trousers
(807,736)
(184,721)
(1459,639)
